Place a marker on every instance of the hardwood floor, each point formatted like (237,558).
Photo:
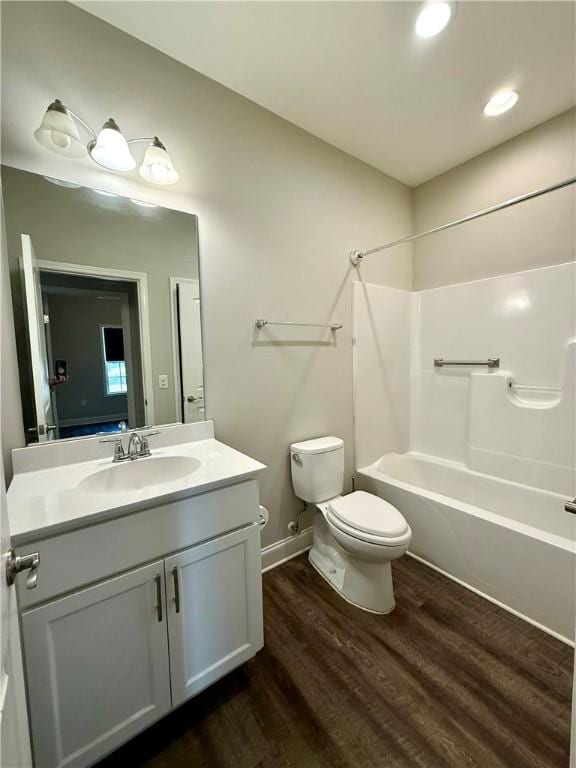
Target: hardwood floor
(447,679)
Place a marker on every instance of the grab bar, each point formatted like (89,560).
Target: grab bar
(492,362)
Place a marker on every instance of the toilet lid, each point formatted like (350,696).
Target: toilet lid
(370,514)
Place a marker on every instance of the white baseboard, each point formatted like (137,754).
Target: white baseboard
(281,551)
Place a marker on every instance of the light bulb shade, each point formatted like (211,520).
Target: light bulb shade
(157,166)
(110,150)
(58,132)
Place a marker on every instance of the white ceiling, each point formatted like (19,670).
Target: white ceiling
(355,74)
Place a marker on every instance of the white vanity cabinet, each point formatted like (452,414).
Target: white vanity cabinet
(155,606)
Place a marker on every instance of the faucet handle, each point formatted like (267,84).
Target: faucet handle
(144,449)
(119,452)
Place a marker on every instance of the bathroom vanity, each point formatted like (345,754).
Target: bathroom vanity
(148,587)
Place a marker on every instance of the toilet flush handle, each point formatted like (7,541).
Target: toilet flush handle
(297,458)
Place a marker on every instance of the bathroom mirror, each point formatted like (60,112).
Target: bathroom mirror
(106,299)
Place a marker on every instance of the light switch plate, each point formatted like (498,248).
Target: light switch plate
(163,381)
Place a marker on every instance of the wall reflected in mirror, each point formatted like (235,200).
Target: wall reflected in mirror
(106,297)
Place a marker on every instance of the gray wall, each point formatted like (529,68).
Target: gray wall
(534,234)
(278,212)
(79,226)
(76,337)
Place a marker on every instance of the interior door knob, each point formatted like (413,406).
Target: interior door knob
(16,564)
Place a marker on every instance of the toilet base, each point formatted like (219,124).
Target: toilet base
(365,584)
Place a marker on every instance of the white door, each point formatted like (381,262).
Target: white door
(14,738)
(37,340)
(97,667)
(190,344)
(214,610)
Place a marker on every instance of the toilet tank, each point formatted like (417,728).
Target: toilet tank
(317,468)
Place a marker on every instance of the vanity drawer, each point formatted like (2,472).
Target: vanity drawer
(84,556)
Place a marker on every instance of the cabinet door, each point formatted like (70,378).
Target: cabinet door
(214,609)
(97,667)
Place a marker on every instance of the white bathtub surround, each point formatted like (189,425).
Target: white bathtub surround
(471,415)
(527,319)
(479,461)
(62,497)
(381,351)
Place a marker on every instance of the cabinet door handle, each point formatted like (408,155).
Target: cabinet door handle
(158,581)
(176,588)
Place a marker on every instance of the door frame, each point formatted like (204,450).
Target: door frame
(50,358)
(174,282)
(140,279)
(37,344)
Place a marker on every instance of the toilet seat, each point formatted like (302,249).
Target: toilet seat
(369,518)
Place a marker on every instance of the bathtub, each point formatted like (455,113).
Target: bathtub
(511,543)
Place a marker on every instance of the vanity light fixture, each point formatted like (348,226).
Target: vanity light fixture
(433,18)
(501,102)
(59,133)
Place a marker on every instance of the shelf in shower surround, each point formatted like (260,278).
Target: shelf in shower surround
(535,395)
(534,387)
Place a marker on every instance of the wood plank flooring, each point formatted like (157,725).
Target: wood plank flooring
(446,680)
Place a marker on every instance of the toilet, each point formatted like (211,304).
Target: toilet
(356,536)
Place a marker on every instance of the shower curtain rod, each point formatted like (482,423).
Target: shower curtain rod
(357,256)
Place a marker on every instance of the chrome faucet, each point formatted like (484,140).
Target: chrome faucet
(138,446)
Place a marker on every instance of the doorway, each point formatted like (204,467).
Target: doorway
(92,345)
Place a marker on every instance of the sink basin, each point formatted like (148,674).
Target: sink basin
(138,474)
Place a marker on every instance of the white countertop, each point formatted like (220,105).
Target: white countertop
(48,502)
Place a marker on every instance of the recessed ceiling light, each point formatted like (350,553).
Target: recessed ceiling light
(432,19)
(143,203)
(501,102)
